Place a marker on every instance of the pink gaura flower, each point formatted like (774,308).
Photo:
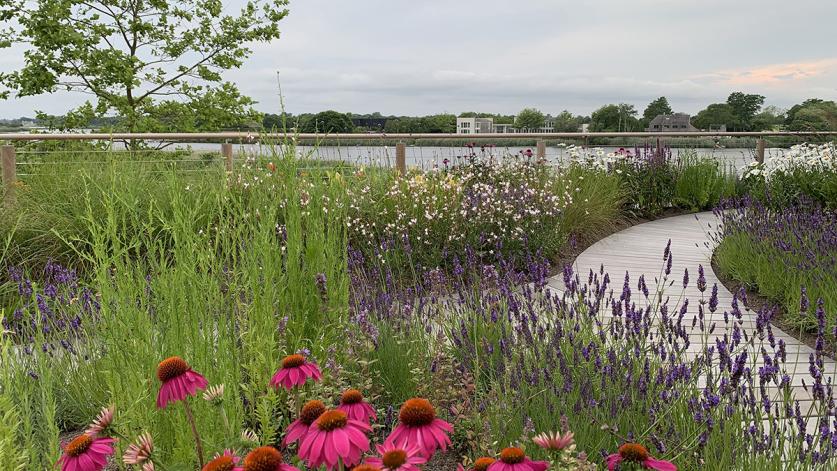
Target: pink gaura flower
(294,372)
(226,461)
(514,459)
(179,381)
(553,441)
(398,458)
(311,411)
(86,453)
(636,453)
(265,458)
(334,438)
(419,426)
(352,403)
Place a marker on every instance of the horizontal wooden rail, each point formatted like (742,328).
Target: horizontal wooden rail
(267,136)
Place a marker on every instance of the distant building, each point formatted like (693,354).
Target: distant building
(474,125)
(505,128)
(677,122)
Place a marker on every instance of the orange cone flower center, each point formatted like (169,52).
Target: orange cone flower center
(366,467)
(293,361)
(482,464)
(171,368)
(351,396)
(79,445)
(264,458)
(417,412)
(311,411)
(332,420)
(222,463)
(512,455)
(633,452)
(394,459)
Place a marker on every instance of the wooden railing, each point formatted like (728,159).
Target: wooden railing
(8,153)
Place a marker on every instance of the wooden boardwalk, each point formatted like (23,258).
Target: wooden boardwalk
(638,250)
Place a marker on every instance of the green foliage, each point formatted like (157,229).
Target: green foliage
(614,118)
(328,122)
(715,116)
(156,65)
(744,107)
(566,122)
(529,119)
(654,109)
(702,183)
(812,115)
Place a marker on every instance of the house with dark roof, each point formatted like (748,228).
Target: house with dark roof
(677,122)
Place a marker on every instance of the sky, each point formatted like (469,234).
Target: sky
(431,56)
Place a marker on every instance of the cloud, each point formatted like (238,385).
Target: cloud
(780,74)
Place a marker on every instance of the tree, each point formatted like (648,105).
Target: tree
(715,116)
(614,118)
(770,118)
(331,122)
(566,122)
(744,107)
(812,115)
(529,119)
(157,65)
(654,109)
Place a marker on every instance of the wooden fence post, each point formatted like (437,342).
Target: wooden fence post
(227,152)
(541,152)
(401,158)
(8,164)
(760,150)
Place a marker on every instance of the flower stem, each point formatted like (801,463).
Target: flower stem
(191,419)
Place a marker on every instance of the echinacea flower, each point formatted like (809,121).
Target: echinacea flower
(514,459)
(553,441)
(179,381)
(398,458)
(265,458)
(333,439)
(295,371)
(226,461)
(352,403)
(140,451)
(418,425)
(636,453)
(481,464)
(214,394)
(102,422)
(248,435)
(366,467)
(86,453)
(311,411)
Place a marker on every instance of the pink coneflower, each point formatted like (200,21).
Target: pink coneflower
(553,441)
(419,426)
(636,453)
(140,451)
(352,403)
(179,381)
(334,438)
(311,411)
(86,453)
(366,467)
(481,464)
(398,458)
(226,461)
(514,459)
(295,371)
(265,458)
(102,422)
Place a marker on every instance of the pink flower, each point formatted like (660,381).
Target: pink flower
(102,421)
(398,458)
(86,453)
(480,464)
(514,459)
(419,426)
(636,453)
(352,403)
(140,451)
(226,461)
(295,371)
(311,411)
(334,438)
(265,458)
(553,441)
(179,381)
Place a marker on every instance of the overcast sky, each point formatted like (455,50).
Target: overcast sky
(431,56)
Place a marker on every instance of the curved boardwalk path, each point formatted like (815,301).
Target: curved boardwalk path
(639,250)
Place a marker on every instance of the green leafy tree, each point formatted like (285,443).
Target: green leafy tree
(566,122)
(529,119)
(812,115)
(330,121)
(654,109)
(770,118)
(614,118)
(715,116)
(156,65)
(745,106)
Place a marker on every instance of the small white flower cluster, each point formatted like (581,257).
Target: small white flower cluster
(596,158)
(802,157)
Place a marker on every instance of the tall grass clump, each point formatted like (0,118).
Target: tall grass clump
(229,271)
(702,183)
